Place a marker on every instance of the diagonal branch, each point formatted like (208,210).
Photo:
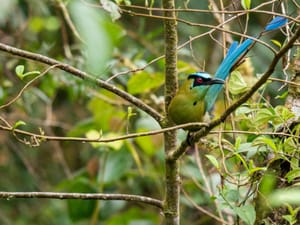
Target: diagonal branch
(82,196)
(205,130)
(84,76)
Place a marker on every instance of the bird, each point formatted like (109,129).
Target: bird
(199,92)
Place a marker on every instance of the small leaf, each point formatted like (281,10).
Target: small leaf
(246,4)
(264,140)
(238,143)
(264,116)
(282,96)
(277,43)
(255,169)
(19,123)
(93,134)
(231,195)
(130,112)
(293,174)
(237,84)
(19,71)
(246,213)
(213,160)
(290,219)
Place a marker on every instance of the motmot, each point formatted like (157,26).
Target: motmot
(199,92)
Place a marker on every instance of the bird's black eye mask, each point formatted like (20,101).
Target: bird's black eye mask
(198,81)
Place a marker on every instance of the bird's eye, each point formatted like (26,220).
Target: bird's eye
(199,80)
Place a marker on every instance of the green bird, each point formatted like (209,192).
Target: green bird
(199,92)
(189,103)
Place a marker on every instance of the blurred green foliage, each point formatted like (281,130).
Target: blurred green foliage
(93,39)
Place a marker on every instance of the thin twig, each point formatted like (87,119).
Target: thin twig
(68,20)
(202,209)
(82,196)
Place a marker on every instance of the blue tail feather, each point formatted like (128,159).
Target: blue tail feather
(277,22)
(232,47)
(224,70)
(235,51)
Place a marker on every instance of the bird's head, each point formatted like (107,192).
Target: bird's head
(203,79)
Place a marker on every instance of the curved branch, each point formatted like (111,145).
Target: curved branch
(205,130)
(83,196)
(84,76)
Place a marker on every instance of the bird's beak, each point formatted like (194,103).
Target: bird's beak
(216,81)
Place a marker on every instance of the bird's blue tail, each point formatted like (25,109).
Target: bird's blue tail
(235,51)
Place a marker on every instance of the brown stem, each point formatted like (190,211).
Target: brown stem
(83,196)
(172,192)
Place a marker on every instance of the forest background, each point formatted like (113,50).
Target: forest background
(84,87)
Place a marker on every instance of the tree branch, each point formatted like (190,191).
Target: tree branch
(205,130)
(82,196)
(172,179)
(84,76)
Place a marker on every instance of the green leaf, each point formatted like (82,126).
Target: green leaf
(246,4)
(19,71)
(277,43)
(143,82)
(264,140)
(94,134)
(237,84)
(213,160)
(283,113)
(19,123)
(255,169)
(291,219)
(263,116)
(293,174)
(130,112)
(237,143)
(283,95)
(246,213)
(231,195)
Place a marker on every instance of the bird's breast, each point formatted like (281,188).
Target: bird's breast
(183,109)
